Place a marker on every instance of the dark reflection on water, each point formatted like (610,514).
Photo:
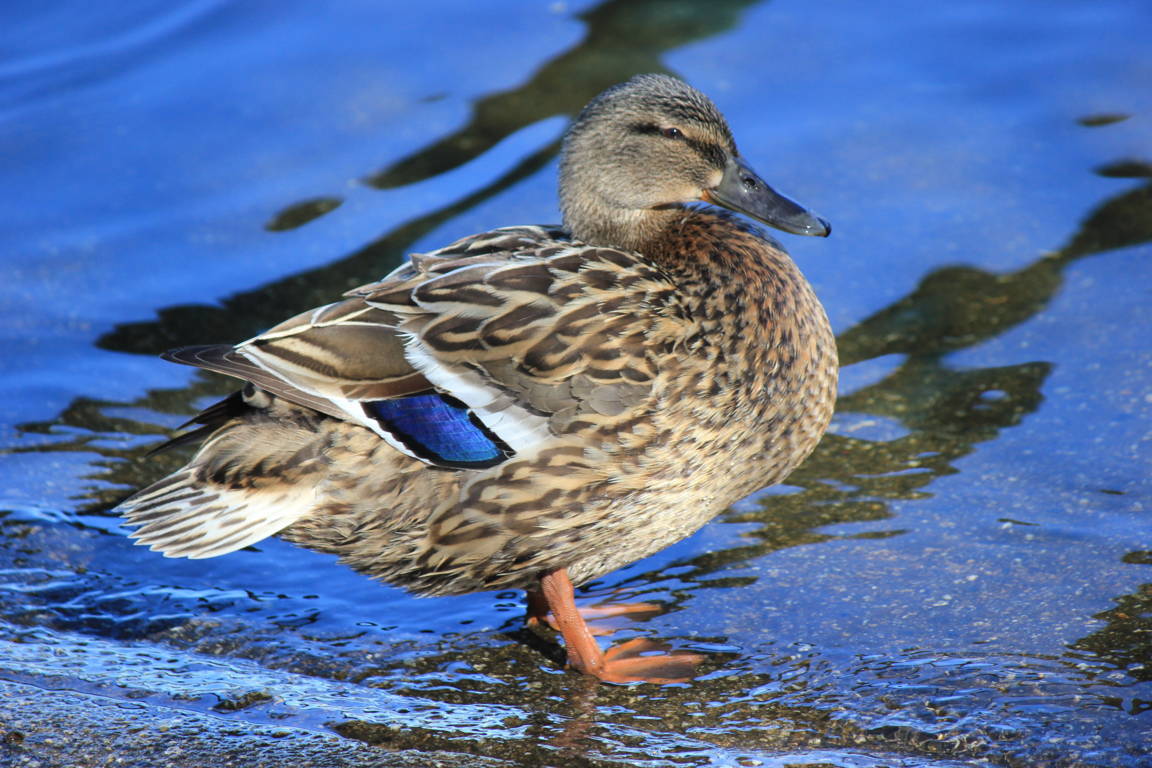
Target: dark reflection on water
(623,39)
(407,674)
(301,213)
(1125,640)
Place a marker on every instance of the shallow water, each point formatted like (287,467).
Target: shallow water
(959,575)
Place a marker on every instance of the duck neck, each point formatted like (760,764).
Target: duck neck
(626,228)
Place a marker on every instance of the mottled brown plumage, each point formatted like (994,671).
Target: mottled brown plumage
(582,396)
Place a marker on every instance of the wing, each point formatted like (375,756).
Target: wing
(538,340)
(475,353)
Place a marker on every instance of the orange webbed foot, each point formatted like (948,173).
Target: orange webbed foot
(625,663)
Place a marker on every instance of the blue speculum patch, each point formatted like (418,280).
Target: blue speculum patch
(439,429)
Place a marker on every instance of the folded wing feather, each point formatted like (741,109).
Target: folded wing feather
(498,342)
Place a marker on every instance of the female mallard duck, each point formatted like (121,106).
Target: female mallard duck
(531,406)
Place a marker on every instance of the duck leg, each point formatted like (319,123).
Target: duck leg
(537,613)
(622,664)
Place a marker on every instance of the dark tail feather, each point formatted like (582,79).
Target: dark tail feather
(219,412)
(212,418)
(200,356)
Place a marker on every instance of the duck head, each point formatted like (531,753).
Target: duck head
(642,148)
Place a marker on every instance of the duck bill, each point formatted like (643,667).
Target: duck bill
(743,191)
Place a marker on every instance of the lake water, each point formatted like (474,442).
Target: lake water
(960,576)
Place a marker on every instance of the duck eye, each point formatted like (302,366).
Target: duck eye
(671,133)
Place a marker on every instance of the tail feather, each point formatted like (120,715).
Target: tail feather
(211,419)
(180,516)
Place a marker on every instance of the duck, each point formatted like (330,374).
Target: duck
(531,407)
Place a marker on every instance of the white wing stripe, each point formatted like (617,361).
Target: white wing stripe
(523,431)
